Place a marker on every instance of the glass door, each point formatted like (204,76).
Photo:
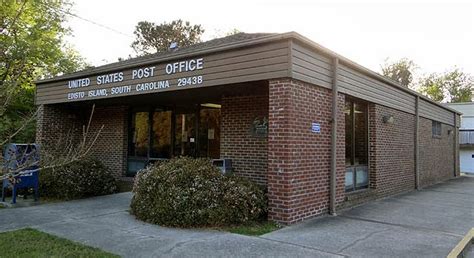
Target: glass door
(185,142)
(209,132)
(160,134)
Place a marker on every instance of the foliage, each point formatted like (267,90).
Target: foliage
(80,179)
(151,38)
(254,228)
(31,47)
(233,31)
(400,71)
(16,114)
(33,243)
(187,192)
(452,86)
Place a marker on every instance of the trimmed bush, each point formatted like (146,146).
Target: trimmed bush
(186,192)
(80,179)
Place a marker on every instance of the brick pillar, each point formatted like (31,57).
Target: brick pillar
(299,160)
(111,146)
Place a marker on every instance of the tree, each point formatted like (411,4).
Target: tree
(452,86)
(233,32)
(400,71)
(31,47)
(152,38)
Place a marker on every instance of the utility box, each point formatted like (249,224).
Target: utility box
(23,159)
(225,165)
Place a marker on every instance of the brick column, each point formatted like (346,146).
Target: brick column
(111,146)
(299,161)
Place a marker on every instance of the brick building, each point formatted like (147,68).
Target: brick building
(318,130)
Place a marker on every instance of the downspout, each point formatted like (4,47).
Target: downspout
(455,142)
(417,146)
(332,186)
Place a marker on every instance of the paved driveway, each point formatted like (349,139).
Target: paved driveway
(427,223)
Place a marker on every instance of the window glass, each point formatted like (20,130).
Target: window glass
(348,125)
(139,132)
(185,135)
(436,128)
(209,132)
(360,134)
(161,135)
(356,129)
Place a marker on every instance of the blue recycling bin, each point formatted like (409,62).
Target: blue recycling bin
(24,157)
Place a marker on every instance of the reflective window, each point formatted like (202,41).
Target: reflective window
(139,133)
(161,134)
(185,135)
(209,132)
(356,127)
(436,128)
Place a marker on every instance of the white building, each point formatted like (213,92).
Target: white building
(466,135)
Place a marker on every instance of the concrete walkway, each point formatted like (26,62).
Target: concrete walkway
(428,223)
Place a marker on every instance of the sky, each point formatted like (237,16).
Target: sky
(436,35)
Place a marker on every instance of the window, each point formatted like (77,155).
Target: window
(162,133)
(356,123)
(436,129)
(140,134)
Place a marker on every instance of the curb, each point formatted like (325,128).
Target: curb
(463,245)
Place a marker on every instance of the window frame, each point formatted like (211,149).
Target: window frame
(436,129)
(353,167)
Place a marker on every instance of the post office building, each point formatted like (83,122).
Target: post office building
(319,131)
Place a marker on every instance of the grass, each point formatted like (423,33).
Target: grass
(253,228)
(33,243)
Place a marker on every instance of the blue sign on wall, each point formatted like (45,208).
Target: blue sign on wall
(316,127)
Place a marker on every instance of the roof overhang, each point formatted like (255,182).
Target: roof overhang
(267,43)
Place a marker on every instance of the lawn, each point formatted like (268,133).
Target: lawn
(253,228)
(33,243)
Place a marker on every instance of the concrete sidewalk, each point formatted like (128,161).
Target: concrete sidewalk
(104,222)
(426,223)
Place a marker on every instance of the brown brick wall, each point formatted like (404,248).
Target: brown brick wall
(436,154)
(248,152)
(299,161)
(292,161)
(392,151)
(111,146)
(57,124)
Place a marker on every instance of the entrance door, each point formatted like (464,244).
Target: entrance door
(158,134)
(185,140)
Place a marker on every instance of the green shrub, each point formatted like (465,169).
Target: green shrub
(80,179)
(186,192)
